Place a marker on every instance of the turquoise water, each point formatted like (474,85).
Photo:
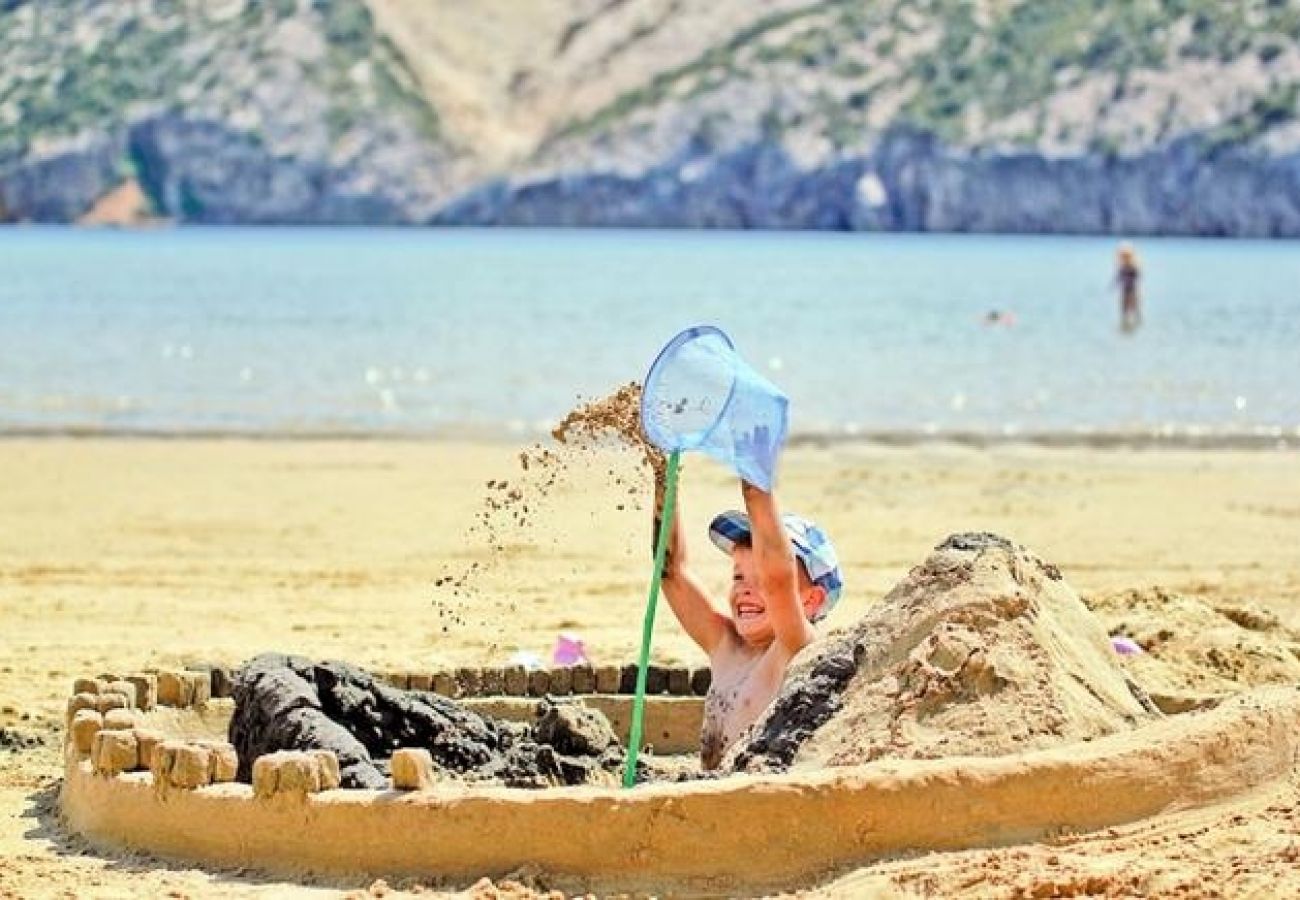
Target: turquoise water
(499,332)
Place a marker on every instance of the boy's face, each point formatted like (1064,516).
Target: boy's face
(749,606)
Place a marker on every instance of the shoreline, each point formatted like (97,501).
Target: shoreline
(1272,440)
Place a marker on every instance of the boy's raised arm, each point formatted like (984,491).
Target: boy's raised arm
(689,602)
(774,560)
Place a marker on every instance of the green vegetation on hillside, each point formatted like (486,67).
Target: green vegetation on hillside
(73,66)
(958,65)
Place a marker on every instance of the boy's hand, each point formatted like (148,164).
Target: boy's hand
(761,449)
(659,474)
(671,559)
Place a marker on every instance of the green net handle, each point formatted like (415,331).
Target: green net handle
(647,629)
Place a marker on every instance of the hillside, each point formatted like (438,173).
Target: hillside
(223,110)
(1178,116)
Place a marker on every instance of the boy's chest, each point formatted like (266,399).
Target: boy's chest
(735,700)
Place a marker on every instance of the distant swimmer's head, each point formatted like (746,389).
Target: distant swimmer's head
(820,581)
(1126,253)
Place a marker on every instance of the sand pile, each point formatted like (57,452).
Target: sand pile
(982,650)
(1197,648)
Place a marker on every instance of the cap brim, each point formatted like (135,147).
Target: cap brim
(736,522)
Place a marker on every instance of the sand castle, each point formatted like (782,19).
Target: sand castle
(978,704)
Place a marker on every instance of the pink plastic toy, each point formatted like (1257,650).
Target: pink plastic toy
(1125,646)
(569,650)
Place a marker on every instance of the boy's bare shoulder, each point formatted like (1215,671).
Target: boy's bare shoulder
(735,658)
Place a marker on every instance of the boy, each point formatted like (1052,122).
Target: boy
(773,603)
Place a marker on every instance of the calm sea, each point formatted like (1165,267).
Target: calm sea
(276,331)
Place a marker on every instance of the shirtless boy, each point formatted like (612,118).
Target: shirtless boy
(785,577)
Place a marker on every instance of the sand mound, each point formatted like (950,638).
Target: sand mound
(1194,647)
(983,650)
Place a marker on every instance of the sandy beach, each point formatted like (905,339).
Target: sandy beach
(121,553)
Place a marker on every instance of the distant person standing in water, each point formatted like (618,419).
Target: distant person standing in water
(1127,274)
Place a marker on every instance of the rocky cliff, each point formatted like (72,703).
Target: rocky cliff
(1178,117)
(223,111)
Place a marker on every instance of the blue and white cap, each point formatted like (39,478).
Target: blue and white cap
(810,544)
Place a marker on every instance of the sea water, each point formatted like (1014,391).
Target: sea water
(500,332)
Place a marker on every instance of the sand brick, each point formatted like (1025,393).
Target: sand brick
(491,681)
(266,776)
(700,681)
(412,769)
(78,702)
(299,773)
(444,683)
(467,681)
(224,762)
(125,688)
(112,752)
(286,772)
(191,766)
(679,681)
(181,765)
(85,686)
(607,680)
(200,687)
(627,679)
(169,770)
(539,683)
(656,680)
(147,740)
(515,681)
(107,701)
(146,690)
(584,679)
(561,681)
(420,681)
(174,689)
(86,723)
(160,760)
(120,719)
(330,776)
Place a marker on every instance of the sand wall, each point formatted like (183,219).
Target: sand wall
(595,839)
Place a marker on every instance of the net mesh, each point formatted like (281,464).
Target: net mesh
(701,395)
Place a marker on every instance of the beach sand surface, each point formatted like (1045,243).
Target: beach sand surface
(116,554)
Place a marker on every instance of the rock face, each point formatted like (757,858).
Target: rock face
(204,171)
(911,181)
(61,183)
(224,112)
(982,650)
(290,703)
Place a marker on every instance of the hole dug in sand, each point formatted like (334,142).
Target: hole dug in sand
(290,703)
(978,704)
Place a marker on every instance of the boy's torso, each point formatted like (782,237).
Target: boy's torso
(745,681)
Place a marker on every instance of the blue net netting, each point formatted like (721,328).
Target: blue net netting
(701,395)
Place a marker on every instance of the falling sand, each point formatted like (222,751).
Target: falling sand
(598,450)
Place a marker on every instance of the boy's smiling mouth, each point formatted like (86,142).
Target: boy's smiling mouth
(748,609)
